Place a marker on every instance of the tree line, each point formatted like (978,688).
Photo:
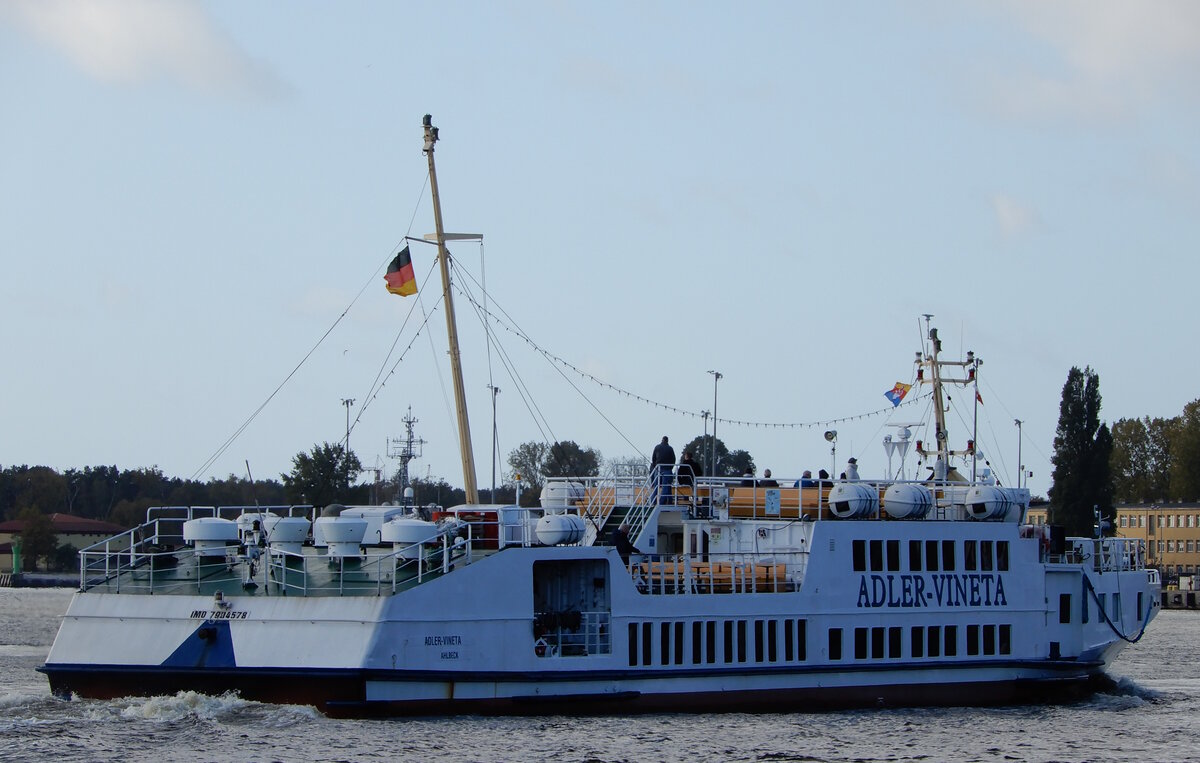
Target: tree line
(1137,461)
(1145,460)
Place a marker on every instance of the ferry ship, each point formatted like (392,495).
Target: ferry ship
(768,596)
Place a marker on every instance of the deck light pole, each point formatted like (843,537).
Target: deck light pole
(1020,465)
(716,378)
(495,438)
(347,401)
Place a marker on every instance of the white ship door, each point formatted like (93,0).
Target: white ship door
(1066,614)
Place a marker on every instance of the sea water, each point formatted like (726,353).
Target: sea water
(1152,713)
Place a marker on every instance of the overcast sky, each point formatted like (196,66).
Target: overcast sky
(191,194)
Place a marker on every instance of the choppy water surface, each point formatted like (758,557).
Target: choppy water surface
(1149,716)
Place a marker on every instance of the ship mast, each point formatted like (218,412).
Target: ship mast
(938,379)
(460,397)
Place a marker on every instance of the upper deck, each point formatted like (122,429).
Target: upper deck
(736,538)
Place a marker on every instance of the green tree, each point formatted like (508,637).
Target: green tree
(729,463)
(437,491)
(1162,432)
(1185,452)
(1141,459)
(567,459)
(38,540)
(527,460)
(1082,479)
(1130,461)
(322,476)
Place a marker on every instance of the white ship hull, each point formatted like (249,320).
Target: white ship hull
(473,639)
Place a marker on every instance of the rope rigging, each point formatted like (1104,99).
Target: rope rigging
(220,451)
(509,324)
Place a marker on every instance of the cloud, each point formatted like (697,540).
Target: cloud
(1014,217)
(1102,59)
(138,41)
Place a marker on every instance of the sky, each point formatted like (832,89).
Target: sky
(198,201)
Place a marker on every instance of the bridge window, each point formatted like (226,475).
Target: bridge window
(914,556)
(859,548)
(876,556)
(835,643)
(1005,639)
(1064,608)
(917,637)
(969,555)
(931,555)
(985,555)
(989,640)
(894,642)
(860,643)
(1002,555)
(972,640)
(893,556)
(933,642)
(948,555)
(951,640)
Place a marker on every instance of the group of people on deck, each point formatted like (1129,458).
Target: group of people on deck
(663,469)
(667,475)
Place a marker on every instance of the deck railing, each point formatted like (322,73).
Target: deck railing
(135,562)
(718,573)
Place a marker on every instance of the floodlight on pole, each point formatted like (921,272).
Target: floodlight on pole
(716,378)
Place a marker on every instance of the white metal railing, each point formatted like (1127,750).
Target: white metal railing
(133,562)
(571,634)
(1110,554)
(718,573)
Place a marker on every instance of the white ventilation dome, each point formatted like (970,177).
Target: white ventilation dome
(210,535)
(344,535)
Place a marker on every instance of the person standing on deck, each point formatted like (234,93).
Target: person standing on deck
(662,462)
(624,546)
(689,469)
(852,469)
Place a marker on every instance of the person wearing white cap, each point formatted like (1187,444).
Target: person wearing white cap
(852,469)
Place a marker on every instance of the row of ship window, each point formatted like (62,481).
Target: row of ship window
(770,641)
(1101,605)
(929,555)
(924,641)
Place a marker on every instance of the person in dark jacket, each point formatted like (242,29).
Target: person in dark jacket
(689,469)
(624,546)
(662,462)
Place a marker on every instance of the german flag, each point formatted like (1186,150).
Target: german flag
(400,279)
